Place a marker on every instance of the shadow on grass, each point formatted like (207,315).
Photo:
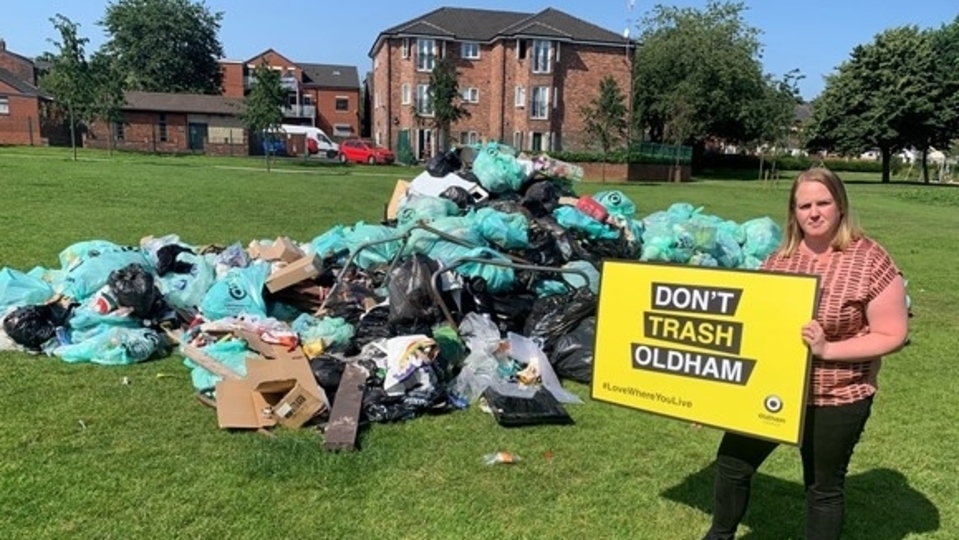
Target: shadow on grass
(880,505)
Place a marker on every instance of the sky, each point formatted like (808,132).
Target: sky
(813,36)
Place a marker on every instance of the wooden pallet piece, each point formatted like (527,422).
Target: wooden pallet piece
(344,421)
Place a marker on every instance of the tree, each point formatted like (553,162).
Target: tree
(882,97)
(443,95)
(702,65)
(772,119)
(605,118)
(165,45)
(263,114)
(70,80)
(107,92)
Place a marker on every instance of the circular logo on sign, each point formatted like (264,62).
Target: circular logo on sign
(773,403)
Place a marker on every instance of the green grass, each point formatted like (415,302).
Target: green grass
(84,456)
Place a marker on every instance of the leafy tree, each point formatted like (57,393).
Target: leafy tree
(882,97)
(264,102)
(698,73)
(605,118)
(107,91)
(69,80)
(942,127)
(772,119)
(165,45)
(443,98)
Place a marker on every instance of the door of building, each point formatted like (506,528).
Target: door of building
(197,136)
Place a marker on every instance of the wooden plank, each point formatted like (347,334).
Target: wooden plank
(345,417)
(209,363)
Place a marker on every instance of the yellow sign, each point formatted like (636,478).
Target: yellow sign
(715,346)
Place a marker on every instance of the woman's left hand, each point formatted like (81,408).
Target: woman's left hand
(815,338)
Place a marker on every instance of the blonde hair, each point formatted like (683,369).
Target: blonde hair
(848,230)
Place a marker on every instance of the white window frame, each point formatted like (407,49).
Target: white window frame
(5,106)
(470,50)
(539,109)
(426,54)
(519,97)
(542,56)
(376,100)
(338,132)
(405,49)
(518,140)
(470,95)
(423,104)
(406,96)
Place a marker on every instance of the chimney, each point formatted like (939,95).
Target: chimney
(3,45)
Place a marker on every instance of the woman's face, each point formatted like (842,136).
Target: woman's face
(816,211)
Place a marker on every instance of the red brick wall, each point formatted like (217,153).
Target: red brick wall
(232,79)
(141,134)
(327,115)
(277,60)
(582,68)
(22,125)
(635,172)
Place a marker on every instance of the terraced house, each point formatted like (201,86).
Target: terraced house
(524,77)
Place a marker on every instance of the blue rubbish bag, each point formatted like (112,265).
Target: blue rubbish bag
(19,289)
(112,346)
(239,291)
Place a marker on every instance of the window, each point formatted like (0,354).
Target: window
(308,99)
(518,140)
(470,50)
(405,48)
(425,54)
(470,95)
(342,130)
(379,138)
(342,103)
(470,137)
(4,105)
(405,96)
(542,55)
(424,105)
(539,109)
(161,125)
(520,99)
(376,100)
(118,130)
(521,49)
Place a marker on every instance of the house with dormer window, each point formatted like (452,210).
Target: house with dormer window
(524,77)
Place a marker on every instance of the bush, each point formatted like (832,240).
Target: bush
(791,163)
(618,156)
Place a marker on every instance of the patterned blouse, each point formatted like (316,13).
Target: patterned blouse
(849,280)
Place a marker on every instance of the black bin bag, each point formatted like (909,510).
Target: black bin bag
(515,411)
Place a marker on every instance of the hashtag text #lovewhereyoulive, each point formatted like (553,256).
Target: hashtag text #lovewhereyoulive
(651,396)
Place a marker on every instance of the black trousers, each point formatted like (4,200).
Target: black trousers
(829,437)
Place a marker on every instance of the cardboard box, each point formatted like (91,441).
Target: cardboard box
(275,391)
(279,388)
(282,249)
(301,270)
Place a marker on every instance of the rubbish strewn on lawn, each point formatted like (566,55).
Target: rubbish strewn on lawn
(480,284)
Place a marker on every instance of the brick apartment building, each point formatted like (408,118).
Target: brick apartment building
(21,102)
(524,77)
(322,95)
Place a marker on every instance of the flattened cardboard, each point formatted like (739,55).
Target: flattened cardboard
(283,249)
(239,407)
(399,191)
(301,270)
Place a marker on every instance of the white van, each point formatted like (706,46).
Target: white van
(324,146)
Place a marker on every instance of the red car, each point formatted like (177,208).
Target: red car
(364,151)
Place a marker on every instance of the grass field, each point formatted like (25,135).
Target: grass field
(84,456)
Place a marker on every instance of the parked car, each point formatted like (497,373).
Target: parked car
(364,151)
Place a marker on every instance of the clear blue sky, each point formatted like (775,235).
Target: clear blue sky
(814,36)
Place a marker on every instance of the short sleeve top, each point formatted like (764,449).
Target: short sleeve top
(849,280)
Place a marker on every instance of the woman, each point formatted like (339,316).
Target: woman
(861,316)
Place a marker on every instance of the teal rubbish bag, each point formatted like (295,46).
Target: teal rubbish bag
(186,290)
(571,218)
(89,273)
(616,203)
(506,230)
(112,346)
(239,291)
(763,236)
(377,254)
(496,170)
(334,331)
(231,353)
(330,243)
(424,208)
(19,289)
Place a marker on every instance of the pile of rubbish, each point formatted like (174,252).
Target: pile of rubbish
(479,285)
